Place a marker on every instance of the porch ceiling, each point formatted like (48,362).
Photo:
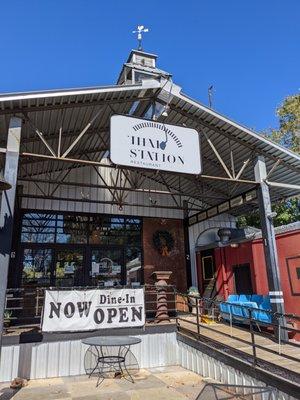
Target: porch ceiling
(70,112)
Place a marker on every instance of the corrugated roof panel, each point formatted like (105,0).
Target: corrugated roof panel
(221,131)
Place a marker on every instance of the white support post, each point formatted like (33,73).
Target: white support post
(7,209)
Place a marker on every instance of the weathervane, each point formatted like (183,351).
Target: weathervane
(140,30)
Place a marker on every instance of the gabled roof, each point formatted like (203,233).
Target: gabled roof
(74,108)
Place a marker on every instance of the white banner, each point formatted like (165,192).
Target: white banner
(82,310)
(148,144)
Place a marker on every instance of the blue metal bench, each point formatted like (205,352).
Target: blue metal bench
(235,308)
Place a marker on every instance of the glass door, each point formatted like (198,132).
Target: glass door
(37,272)
(106,268)
(69,268)
(37,267)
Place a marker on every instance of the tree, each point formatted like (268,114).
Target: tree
(287,212)
(288,135)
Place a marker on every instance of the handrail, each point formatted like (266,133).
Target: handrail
(26,304)
(199,303)
(295,316)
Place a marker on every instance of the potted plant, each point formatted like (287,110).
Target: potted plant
(192,293)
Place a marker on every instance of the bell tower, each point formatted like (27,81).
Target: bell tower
(140,65)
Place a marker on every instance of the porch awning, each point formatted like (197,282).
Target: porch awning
(228,148)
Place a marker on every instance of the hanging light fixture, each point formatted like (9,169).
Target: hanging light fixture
(166,110)
(224,235)
(4,185)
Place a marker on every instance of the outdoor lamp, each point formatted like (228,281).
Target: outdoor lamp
(165,113)
(224,234)
(4,185)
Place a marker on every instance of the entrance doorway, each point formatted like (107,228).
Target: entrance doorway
(69,268)
(206,273)
(105,267)
(242,279)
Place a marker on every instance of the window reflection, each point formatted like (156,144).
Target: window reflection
(106,268)
(37,267)
(38,228)
(69,268)
(133,266)
(115,249)
(71,229)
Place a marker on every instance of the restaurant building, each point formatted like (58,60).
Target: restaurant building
(75,217)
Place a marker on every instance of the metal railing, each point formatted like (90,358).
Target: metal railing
(190,314)
(24,306)
(194,310)
(216,391)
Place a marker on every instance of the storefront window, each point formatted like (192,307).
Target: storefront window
(98,250)
(107,230)
(71,229)
(38,228)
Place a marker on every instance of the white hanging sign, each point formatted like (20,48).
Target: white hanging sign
(148,144)
(83,310)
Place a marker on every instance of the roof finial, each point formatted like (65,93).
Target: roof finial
(140,30)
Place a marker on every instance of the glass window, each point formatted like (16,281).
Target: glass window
(51,228)
(38,228)
(72,229)
(37,267)
(106,230)
(69,268)
(133,266)
(106,267)
(81,229)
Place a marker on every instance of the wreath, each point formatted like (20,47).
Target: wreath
(163,242)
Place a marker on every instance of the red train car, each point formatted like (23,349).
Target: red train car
(240,268)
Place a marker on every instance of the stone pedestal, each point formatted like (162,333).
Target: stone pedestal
(161,278)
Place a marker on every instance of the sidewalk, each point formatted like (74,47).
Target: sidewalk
(163,383)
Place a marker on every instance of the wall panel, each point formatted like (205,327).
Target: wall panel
(93,196)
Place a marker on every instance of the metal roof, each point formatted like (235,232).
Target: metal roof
(72,109)
(228,135)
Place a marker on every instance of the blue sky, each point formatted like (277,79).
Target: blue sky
(247,49)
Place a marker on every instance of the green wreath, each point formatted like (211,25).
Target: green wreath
(163,242)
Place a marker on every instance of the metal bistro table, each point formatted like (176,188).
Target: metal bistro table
(103,359)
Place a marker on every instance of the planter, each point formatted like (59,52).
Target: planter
(193,303)
(6,324)
(161,303)
(192,300)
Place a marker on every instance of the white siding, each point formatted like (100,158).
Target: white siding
(222,220)
(55,359)
(89,175)
(66,358)
(209,367)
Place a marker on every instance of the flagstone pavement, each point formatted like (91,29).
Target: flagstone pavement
(163,383)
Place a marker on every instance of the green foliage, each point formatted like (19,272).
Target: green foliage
(288,134)
(7,314)
(287,212)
